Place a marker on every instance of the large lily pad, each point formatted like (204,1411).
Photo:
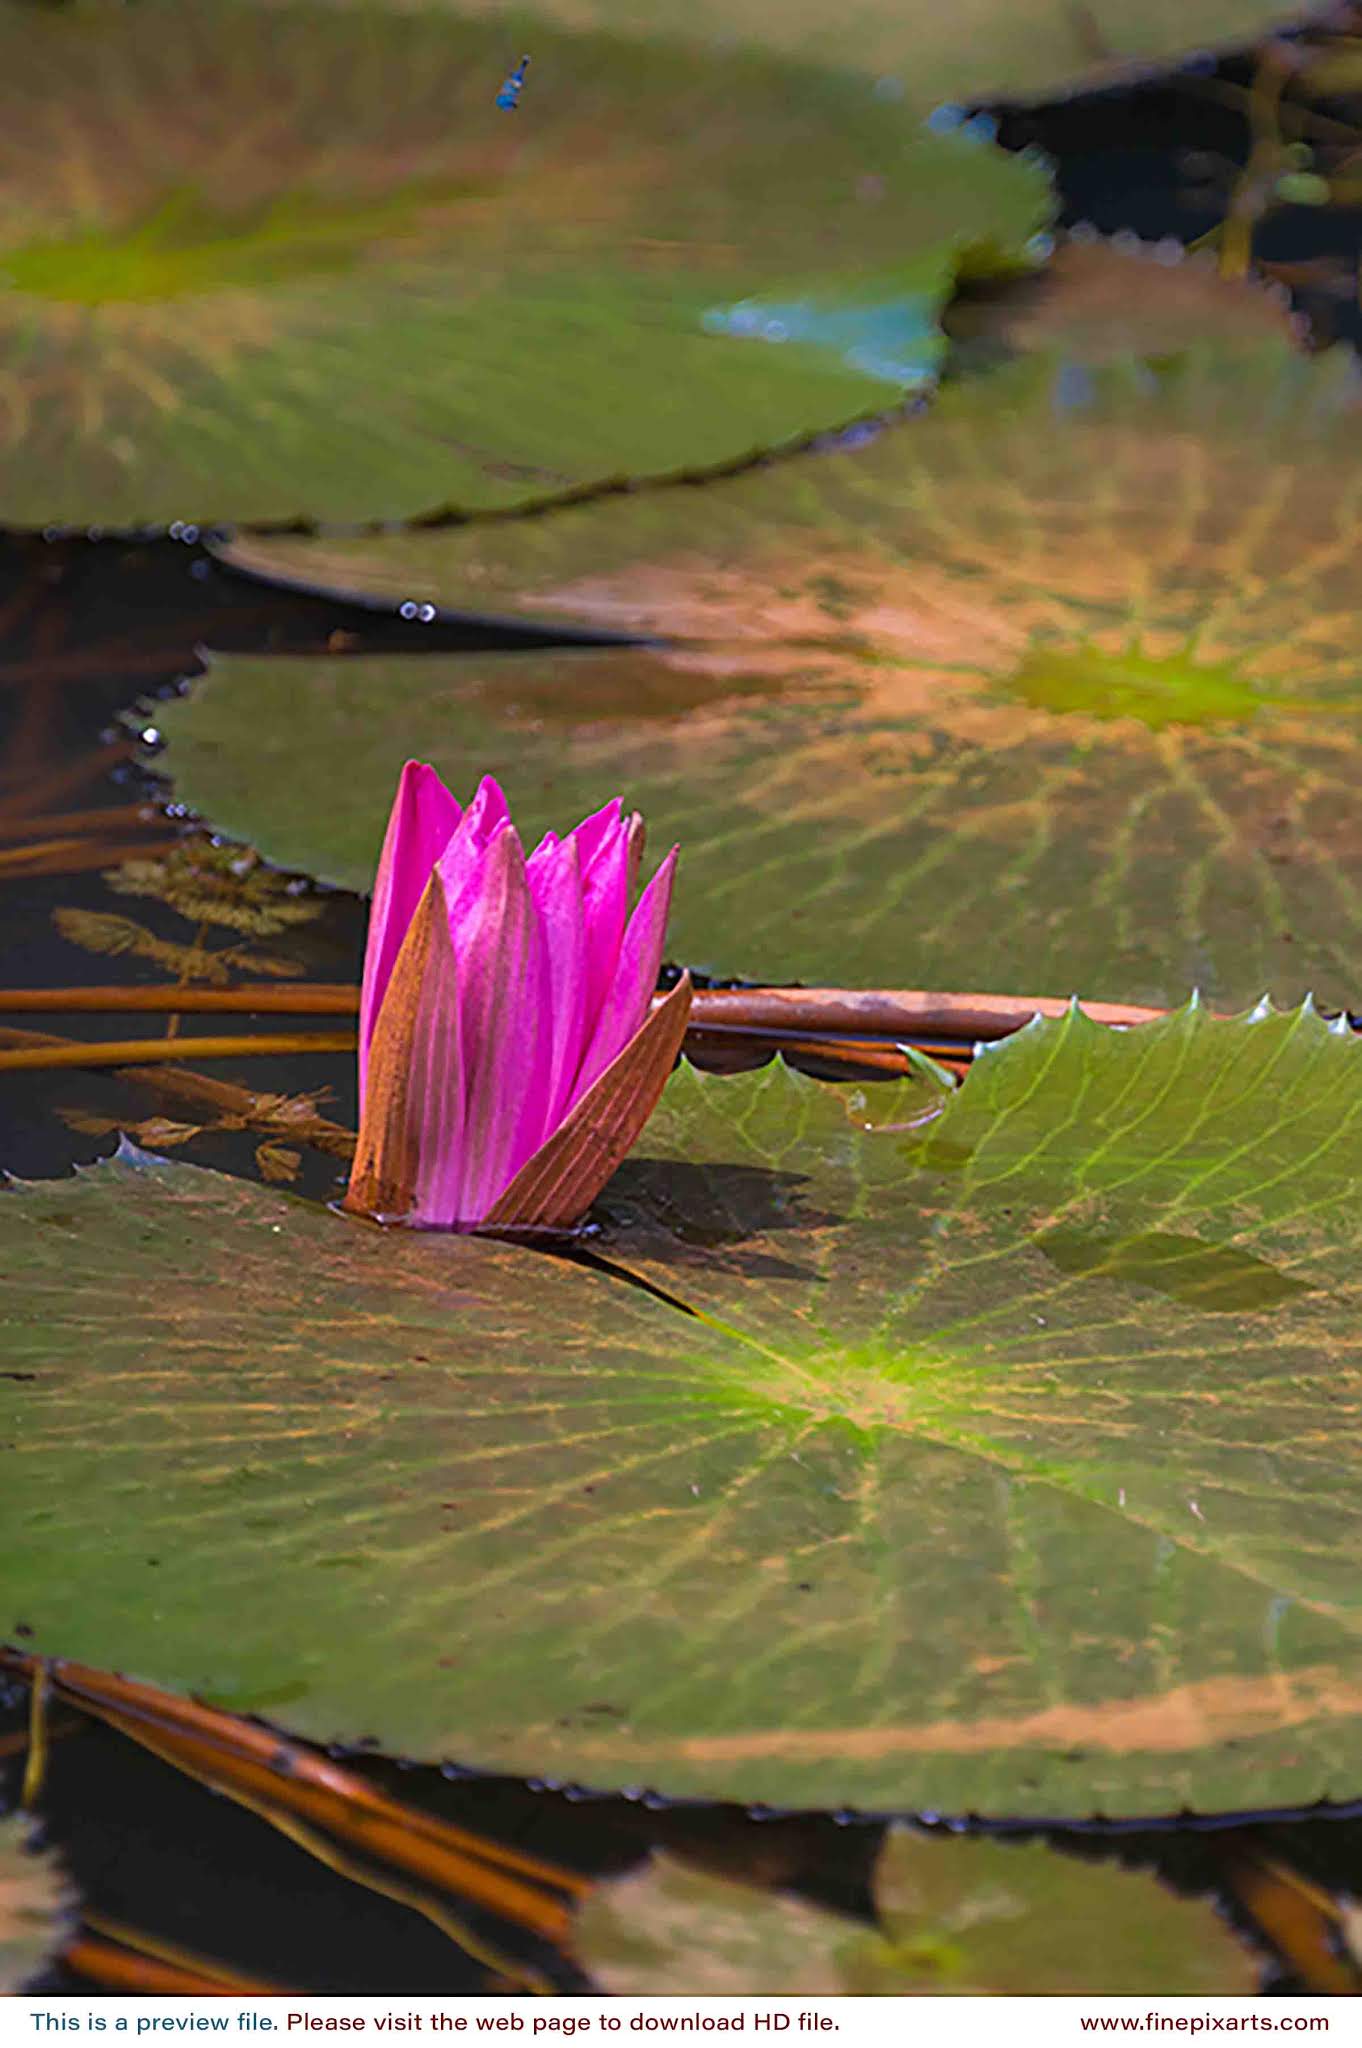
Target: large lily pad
(34,1900)
(979,50)
(1009,1463)
(958,1917)
(1056,687)
(261,261)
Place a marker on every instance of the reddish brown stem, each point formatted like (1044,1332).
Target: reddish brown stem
(123,1052)
(1301,1921)
(253,1760)
(893,1013)
(114,817)
(118,1969)
(917,1014)
(182,1084)
(299,999)
(75,856)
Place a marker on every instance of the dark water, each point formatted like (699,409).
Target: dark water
(93,629)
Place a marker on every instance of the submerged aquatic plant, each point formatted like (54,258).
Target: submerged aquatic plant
(509,1051)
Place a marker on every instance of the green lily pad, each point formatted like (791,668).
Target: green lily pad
(958,1917)
(980,50)
(34,1900)
(262,261)
(909,1514)
(1056,687)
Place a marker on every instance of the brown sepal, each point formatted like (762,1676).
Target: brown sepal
(409,1063)
(554,1189)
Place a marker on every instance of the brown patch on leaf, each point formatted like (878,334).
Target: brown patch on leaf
(1186,1718)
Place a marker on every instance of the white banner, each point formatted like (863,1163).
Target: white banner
(850,2022)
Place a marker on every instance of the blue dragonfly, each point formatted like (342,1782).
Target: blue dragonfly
(509,96)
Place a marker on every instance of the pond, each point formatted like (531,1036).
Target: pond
(905,1510)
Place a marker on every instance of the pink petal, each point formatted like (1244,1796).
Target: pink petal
(605,907)
(556,885)
(503,981)
(461,859)
(593,831)
(423,818)
(640,957)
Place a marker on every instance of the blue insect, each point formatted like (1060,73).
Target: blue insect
(509,96)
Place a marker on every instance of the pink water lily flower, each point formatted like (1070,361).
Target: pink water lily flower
(510,1051)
